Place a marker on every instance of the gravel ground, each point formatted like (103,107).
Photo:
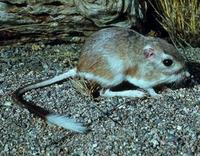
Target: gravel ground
(119,126)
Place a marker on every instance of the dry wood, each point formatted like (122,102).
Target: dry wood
(24,21)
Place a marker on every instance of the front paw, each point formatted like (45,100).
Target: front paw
(153,94)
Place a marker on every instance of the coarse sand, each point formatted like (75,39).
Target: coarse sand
(166,126)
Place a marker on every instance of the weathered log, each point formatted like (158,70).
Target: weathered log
(64,20)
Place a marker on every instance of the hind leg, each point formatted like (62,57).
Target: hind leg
(126,93)
(107,83)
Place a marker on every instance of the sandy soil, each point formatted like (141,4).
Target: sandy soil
(119,126)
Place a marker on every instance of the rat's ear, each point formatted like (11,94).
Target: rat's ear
(148,51)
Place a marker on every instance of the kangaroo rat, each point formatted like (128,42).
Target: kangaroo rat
(110,56)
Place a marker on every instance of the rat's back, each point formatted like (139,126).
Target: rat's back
(112,40)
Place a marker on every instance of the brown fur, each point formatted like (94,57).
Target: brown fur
(131,71)
(97,66)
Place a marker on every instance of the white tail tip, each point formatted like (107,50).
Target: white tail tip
(66,123)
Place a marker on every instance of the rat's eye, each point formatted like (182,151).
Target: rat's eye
(167,62)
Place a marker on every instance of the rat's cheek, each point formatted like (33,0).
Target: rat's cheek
(152,75)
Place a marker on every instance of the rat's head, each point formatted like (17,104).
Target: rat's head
(168,64)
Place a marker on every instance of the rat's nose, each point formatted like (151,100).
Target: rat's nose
(187,74)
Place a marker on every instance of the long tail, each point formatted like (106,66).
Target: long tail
(56,119)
